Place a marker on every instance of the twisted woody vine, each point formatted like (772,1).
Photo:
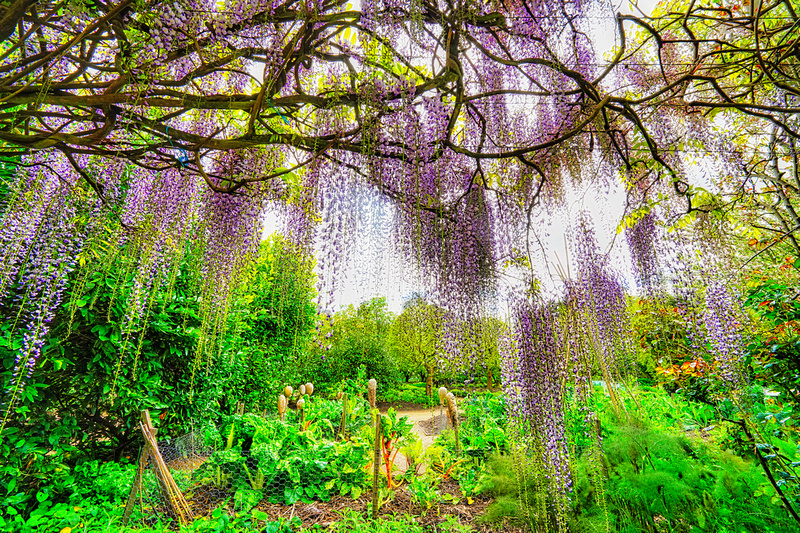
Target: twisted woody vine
(146,144)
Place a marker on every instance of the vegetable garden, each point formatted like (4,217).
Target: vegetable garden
(194,194)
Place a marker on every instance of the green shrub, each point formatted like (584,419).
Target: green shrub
(512,496)
(653,475)
(408,392)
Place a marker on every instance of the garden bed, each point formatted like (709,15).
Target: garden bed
(324,514)
(305,468)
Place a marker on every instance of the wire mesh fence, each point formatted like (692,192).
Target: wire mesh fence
(308,449)
(265,464)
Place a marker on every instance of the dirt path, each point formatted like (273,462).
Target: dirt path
(428,424)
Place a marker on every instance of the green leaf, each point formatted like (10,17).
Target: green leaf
(260,515)
(291,495)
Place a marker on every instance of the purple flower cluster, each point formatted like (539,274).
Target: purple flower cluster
(534,377)
(722,318)
(554,351)
(641,237)
(39,249)
(600,299)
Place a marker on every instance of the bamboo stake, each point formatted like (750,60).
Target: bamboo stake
(143,460)
(175,500)
(137,484)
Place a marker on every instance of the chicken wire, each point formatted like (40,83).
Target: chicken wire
(258,459)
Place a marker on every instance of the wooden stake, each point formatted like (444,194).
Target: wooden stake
(343,424)
(377,465)
(372,390)
(442,400)
(175,500)
(301,406)
(282,403)
(144,458)
(137,484)
(452,413)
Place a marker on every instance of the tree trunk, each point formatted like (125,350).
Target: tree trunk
(428,380)
(489,382)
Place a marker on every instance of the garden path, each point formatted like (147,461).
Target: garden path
(428,423)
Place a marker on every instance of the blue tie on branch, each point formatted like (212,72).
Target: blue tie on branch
(184,157)
(278,111)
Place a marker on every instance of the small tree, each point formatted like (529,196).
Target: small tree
(355,337)
(480,344)
(415,336)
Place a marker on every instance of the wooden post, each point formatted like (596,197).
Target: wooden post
(376,464)
(442,400)
(372,391)
(452,413)
(282,403)
(343,424)
(301,406)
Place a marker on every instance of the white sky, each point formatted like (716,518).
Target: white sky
(377,270)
